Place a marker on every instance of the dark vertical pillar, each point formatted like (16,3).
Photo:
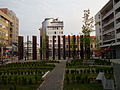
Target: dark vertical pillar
(81,47)
(27,48)
(20,47)
(59,48)
(64,54)
(77,46)
(74,46)
(47,47)
(53,47)
(34,48)
(40,47)
(69,52)
(88,47)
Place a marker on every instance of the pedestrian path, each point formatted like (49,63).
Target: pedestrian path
(54,81)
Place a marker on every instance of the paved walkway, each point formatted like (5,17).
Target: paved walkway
(54,81)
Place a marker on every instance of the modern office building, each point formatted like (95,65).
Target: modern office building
(14,31)
(52,27)
(108,28)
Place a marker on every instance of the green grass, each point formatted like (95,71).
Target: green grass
(78,63)
(19,87)
(23,76)
(83,87)
(84,81)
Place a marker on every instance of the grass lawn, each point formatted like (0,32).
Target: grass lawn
(83,87)
(19,87)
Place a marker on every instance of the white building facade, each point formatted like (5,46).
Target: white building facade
(52,27)
(28,46)
(108,28)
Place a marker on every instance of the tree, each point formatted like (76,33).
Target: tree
(86,29)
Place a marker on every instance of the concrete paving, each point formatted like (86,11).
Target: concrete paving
(55,79)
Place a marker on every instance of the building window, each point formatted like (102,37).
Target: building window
(99,16)
(118,40)
(100,30)
(117,10)
(118,30)
(61,32)
(50,40)
(1,25)
(54,32)
(50,45)
(100,38)
(117,20)
(116,1)
(91,46)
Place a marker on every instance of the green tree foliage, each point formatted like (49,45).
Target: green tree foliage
(88,23)
(86,29)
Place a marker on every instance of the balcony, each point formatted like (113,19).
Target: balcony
(107,31)
(118,35)
(108,28)
(107,9)
(107,14)
(109,36)
(108,22)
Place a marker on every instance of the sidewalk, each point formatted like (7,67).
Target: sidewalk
(55,79)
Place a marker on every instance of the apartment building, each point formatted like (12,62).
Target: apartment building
(108,28)
(14,31)
(52,27)
(5,27)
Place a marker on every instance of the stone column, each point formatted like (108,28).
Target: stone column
(34,48)
(47,47)
(40,47)
(81,47)
(64,54)
(20,47)
(53,47)
(59,48)
(69,51)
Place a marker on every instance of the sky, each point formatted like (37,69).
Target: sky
(31,13)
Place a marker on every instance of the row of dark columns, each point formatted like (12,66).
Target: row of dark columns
(72,52)
(21,47)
